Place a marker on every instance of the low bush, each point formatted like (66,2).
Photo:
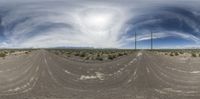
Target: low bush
(171,54)
(2,55)
(94,54)
(76,54)
(120,54)
(12,51)
(82,54)
(176,54)
(86,58)
(111,57)
(194,55)
(125,53)
(181,53)
(99,58)
(26,52)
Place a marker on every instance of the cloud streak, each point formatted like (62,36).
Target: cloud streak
(159,35)
(105,24)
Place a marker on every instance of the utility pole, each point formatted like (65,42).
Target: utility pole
(135,41)
(151,40)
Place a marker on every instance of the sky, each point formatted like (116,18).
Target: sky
(99,23)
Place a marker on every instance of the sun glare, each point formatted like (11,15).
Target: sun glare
(98,22)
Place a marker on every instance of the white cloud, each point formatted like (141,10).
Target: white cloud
(147,36)
(33,25)
(50,23)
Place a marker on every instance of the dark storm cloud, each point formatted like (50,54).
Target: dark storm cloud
(168,19)
(19,24)
(1,30)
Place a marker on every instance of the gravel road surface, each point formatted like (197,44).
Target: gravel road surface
(143,75)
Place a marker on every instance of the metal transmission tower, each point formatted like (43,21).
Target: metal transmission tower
(151,40)
(135,41)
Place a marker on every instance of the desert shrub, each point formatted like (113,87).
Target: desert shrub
(6,52)
(2,55)
(94,54)
(181,52)
(98,55)
(82,54)
(99,58)
(86,58)
(26,52)
(125,53)
(199,54)
(67,53)
(176,54)
(171,54)
(76,54)
(194,55)
(114,56)
(120,54)
(165,53)
(12,51)
(110,57)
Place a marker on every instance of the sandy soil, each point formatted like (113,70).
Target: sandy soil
(143,75)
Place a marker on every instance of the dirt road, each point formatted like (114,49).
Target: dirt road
(43,75)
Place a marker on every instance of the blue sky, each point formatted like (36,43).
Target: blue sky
(99,24)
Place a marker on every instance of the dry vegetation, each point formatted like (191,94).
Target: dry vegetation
(185,53)
(7,52)
(92,54)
